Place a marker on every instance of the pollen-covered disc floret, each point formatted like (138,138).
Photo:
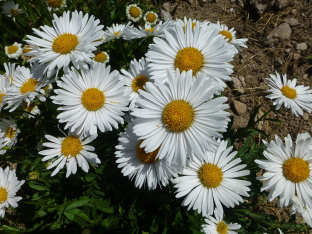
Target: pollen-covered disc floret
(216,225)
(176,115)
(295,97)
(9,185)
(92,100)
(133,12)
(72,39)
(135,79)
(202,51)
(144,168)
(14,51)
(71,151)
(214,177)
(10,130)
(288,169)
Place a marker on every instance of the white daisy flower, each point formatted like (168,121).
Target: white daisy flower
(9,127)
(4,83)
(134,79)
(181,118)
(286,92)
(115,32)
(14,51)
(10,71)
(142,166)
(231,36)
(11,9)
(288,170)
(101,57)
(26,86)
(32,108)
(301,210)
(133,12)
(92,100)
(208,182)
(193,22)
(216,225)
(71,39)
(70,150)
(25,50)
(9,185)
(55,5)
(201,51)
(158,30)
(150,17)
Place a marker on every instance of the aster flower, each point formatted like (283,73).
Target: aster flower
(54,5)
(9,127)
(201,51)
(92,100)
(14,51)
(115,32)
(286,92)
(158,30)
(11,9)
(216,225)
(181,118)
(150,17)
(208,182)
(142,166)
(133,12)
(134,79)
(288,170)
(301,210)
(71,39)
(10,71)
(70,151)
(9,185)
(101,57)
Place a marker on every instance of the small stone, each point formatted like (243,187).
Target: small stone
(261,6)
(278,62)
(242,79)
(291,21)
(287,51)
(280,33)
(165,15)
(293,11)
(296,56)
(281,4)
(305,76)
(166,6)
(305,116)
(302,46)
(237,84)
(239,107)
(303,15)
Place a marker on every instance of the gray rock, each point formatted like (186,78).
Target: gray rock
(305,76)
(239,107)
(166,6)
(305,116)
(302,46)
(291,21)
(261,6)
(280,33)
(296,56)
(165,15)
(237,84)
(281,4)
(293,11)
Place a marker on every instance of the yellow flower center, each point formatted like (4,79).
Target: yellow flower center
(10,133)
(65,43)
(93,99)
(27,49)
(296,170)
(54,3)
(222,228)
(71,146)
(289,92)
(14,12)
(227,34)
(134,12)
(30,107)
(210,175)
(12,49)
(138,83)
(151,17)
(189,59)
(29,86)
(3,195)
(146,157)
(1,96)
(178,115)
(100,57)
(116,33)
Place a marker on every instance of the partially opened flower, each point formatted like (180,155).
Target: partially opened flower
(72,39)
(11,9)
(150,17)
(115,32)
(286,92)
(288,170)
(54,5)
(301,210)
(133,12)
(14,51)
(143,167)
(10,130)
(181,118)
(70,151)
(9,185)
(212,181)
(32,108)
(216,225)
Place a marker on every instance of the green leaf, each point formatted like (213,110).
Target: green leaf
(39,214)
(70,214)
(253,116)
(77,203)
(104,206)
(245,147)
(37,186)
